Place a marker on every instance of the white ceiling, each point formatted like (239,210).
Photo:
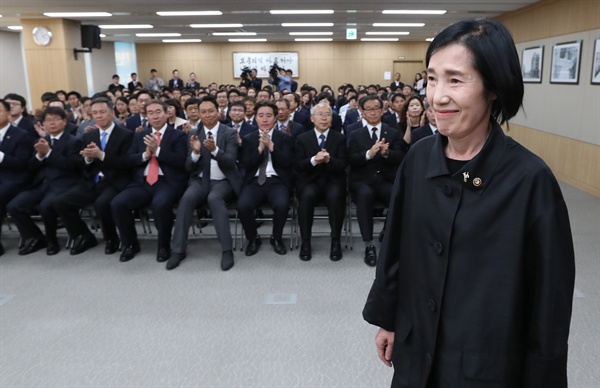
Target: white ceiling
(255,16)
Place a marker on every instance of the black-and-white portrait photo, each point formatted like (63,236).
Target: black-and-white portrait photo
(531,67)
(565,62)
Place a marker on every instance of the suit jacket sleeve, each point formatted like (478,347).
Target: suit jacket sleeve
(226,158)
(118,160)
(66,159)
(23,149)
(174,153)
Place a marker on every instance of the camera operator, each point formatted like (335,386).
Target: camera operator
(277,76)
(249,79)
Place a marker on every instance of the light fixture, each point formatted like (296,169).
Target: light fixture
(430,39)
(234,33)
(77,14)
(313,39)
(414,11)
(182,40)
(387,33)
(124,26)
(15,28)
(236,25)
(247,40)
(379,39)
(157,34)
(301,11)
(398,24)
(307,24)
(311,33)
(189,13)
(102,35)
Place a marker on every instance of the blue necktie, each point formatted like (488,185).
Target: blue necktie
(102,146)
(103,140)
(322,144)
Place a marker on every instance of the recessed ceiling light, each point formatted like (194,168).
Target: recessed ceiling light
(313,39)
(235,25)
(311,33)
(189,13)
(380,39)
(234,33)
(307,24)
(387,33)
(102,35)
(398,24)
(301,11)
(77,14)
(15,28)
(182,40)
(124,26)
(429,39)
(247,40)
(414,11)
(158,34)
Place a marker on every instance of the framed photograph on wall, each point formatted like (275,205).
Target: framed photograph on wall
(566,58)
(532,64)
(596,62)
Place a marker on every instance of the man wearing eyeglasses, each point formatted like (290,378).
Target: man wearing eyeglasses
(376,151)
(320,163)
(56,166)
(15,151)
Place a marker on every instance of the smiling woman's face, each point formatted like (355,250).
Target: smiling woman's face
(457,94)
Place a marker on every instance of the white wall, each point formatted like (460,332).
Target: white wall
(12,67)
(572,111)
(103,66)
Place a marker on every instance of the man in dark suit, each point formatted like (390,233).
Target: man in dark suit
(396,84)
(298,115)
(214,180)
(237,112)
(397,101)
(70,128)
(18,114)
(336,120)
(266,159)
(193,116)
(223,102)
(176,82)
(426,130)
(375,154)
(320,163)
(283,119)
(139,121)
(104,176)
(15,151)
(134,83)
(56,167)
(157,155)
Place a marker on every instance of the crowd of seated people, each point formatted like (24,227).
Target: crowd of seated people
(175,148)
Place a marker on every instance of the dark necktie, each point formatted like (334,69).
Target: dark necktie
(262,171)
(374,135)
(322,144)
(206,157)
(144,123)
(102,146)
(52,141)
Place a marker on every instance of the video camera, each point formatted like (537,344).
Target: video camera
(274,70)
(246,73)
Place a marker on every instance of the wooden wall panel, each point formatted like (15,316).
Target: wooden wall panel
(319,63)
(574,162)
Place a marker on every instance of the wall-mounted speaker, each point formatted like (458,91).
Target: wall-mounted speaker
(90,37)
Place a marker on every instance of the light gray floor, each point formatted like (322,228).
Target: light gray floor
(271,321)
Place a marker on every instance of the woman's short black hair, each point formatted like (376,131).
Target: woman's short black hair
(494,57)
(175,104)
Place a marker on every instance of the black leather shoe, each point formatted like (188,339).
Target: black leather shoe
(336,251)
(53,248)
(111,246)
(253,245)
(227,260)
(163,254)
(278,246)
(82,244)
(305,251)
(34,245)
(129,252)
(371,256)
(175,260)
(1,249)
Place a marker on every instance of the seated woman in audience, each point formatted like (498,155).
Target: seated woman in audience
(414,116)
(174,113)
(306,99)
(122,109)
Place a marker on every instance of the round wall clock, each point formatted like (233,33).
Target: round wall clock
(42,36)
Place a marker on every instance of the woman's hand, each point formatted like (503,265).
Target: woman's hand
(385,345)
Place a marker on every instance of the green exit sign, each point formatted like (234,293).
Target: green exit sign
(351,33)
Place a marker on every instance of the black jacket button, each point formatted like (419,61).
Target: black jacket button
(438,247)
(431,304)
(447,190)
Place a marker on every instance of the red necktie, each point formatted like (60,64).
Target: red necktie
(152,176)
